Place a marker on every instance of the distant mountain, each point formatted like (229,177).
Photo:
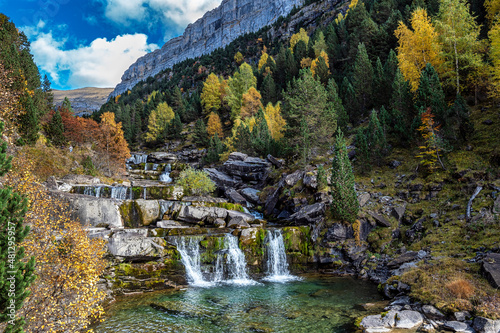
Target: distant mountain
(84,100)
(217,28)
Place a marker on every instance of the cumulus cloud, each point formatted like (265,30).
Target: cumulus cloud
(100,64)
(179,12)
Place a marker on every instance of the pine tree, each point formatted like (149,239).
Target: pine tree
(268,90)
(345,204)
(363,153)
(215,149)
(362,82)
(200,135)
(16,275)
(430,94)
(401,107)
(380,92)
(300,51)
(56,129)
(333,97)
(175,127)
(49,96)
(30,125)
(376,137)
(349,99)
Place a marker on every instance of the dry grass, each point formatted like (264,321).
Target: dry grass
(461,289)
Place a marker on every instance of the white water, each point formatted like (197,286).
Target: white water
(165,176)
(236,262)
(119,192)
(138,159)
(277,265)
(189,249)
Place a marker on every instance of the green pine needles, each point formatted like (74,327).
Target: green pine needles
(345,201)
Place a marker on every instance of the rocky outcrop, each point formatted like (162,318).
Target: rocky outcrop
(491,269)
(215,29)
(95,212)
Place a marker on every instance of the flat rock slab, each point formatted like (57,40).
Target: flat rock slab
(404,258)
(491,269)
(457,326)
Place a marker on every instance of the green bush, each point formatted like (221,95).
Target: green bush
(195,182)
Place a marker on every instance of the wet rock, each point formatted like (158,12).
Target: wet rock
(238,222)
(251,195)
(246,217)
(275,161)
(284,215)
(310,214)
(219,223)
(235,197)
(456,326)
(149,211)
(491,269)
(248,236)
(485,325)
(379,219)
(221,179)
(292,179)
(409,319)
(272,199)
(431,312)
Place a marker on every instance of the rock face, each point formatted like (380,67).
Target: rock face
(95,212)
(215,29)
(491,269)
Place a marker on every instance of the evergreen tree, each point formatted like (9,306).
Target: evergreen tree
(334,98)
(401,107)
(300,51)
(291,67)
(29,124)
(16,275)
(322,72)
(345,204)
(178,103)
(56,129)
(175,127)
(49,96)
(430,94)
(215,148)
(376,137)
(380,92)
(362,82)
(200,135)
(349,98)
(269,90)
(363,153)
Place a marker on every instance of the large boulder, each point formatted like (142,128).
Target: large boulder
(491,269)
(237,222)
(95,212)
(133,244)
(292,179)
(245,216)
(339,232)
(248,236)
(194,214)
(246,168)
(310,214)
(149,211)
(221,179)
(162,157)
(235,197)
(409,319)
(406,319)
(485,325)
(251,195)
(272,199)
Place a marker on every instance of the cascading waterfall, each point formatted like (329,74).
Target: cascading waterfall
(165,176)
(119,192)
(277,265)
(230,266)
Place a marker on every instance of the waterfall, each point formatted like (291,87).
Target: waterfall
(277,265)
(189,249)
(230,265)
(165,176)
(138,159)
(119,192)
(236,262)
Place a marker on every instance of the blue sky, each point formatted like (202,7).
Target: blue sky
(91,43)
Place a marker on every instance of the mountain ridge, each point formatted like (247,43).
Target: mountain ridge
(217,28)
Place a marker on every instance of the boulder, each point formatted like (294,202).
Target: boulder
(149,211)
(462,315)
(377,323)
(363,198)
(398,212)
(219,223)
(272,199)
(381,221)
(310,214)
(310,180)
(134,245)
(238,222)
(409,319)
(404,258)
(431,312)
(248,236)
(95,212)
(485,325)
(275,161)
(162,157)
(251,195)
(194,214)
(456,326)
(250,169)
(81,180)
(292,179)
(339,232)
(491,269)
(221,179)
(245,216)
(237,156)
(235,197)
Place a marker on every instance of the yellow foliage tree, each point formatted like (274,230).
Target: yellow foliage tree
(214,125)
(492,10)
(65,296)
(250,103)
(306,62)
(238,57)
(299,36)
(158,121)
(112,140)
(494,36)
(211,94)
(275,121)
(429,152)
(314,64)
(417,47)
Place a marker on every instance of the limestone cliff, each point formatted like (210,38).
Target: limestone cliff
(215,29)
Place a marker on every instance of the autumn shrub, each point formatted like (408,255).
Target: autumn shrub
(195,182)
(461,289)
(65,296)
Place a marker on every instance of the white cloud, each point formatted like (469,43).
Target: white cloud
(179,12)
(100,64)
